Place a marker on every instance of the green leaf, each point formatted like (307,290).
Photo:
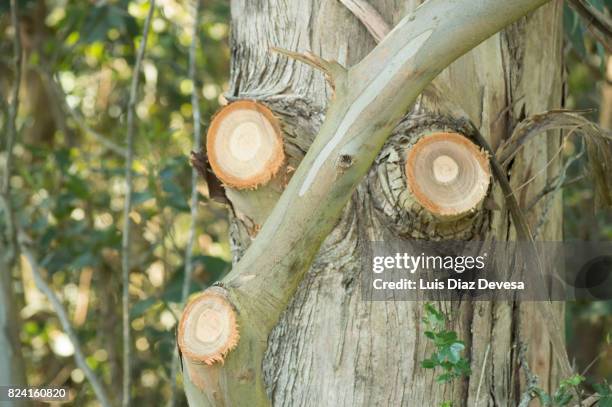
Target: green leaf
(139,308)
(444,377)
(141,197)
(77,187)
(544,398)
(433,318)
(562,398)
(575,380)
(446,338)
(428,364)
(456,349)
(605,394)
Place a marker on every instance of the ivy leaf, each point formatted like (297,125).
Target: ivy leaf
(544,398)
(444,377)
(428,364)
(605,394)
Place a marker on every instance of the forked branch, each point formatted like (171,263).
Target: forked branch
(365,110)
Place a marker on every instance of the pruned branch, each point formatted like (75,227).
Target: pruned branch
(245,159)
(125,243)
(60,311)
(447,174)
(366,109)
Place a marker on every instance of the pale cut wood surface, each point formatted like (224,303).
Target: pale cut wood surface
(447,174)
(207,329)
(244,145)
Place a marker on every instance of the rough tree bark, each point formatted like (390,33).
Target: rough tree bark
(330,348)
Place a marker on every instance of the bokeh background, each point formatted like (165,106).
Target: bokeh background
(68,183)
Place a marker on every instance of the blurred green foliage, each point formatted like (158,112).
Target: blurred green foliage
(588,324)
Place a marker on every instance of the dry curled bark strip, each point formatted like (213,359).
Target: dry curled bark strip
(598,141)
(199,161)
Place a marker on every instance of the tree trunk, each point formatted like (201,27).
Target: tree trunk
(330,347)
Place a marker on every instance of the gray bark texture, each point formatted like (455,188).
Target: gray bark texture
(330,347)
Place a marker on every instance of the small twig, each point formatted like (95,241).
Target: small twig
(482,371)
(369,17)
(197,146)
(62,315)
(558,184)
(554,186)
(596,22)
(541,170)
(590,365)
(543,122)
(125,244)
(531,379)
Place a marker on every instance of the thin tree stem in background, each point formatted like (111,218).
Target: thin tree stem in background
(197,146)
(12,369)
(11,133)
(125,244)
(9,255)
(60,311)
